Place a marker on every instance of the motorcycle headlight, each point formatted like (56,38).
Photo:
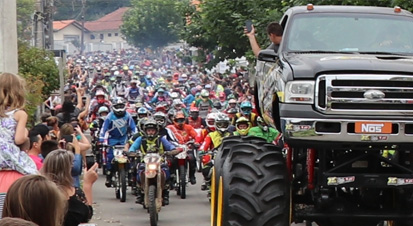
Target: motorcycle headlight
(152,166)
(299,92)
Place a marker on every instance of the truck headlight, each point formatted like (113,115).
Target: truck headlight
(299,92)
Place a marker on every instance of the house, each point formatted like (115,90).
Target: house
(102,34)
(67,35)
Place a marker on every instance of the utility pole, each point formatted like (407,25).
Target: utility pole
(8,36)
(38,25)
(48,24)
(82,37)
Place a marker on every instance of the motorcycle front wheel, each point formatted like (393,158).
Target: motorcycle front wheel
(153,213)
(122,184)
(182,181)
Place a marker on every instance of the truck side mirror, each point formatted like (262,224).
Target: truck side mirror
(267,55)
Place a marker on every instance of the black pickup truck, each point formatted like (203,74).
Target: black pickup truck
(340,89)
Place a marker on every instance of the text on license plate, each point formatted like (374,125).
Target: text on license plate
(373,127)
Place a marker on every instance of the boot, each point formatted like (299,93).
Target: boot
(108,182)
(204,187)
(139,196)
(165,197)
(192,177)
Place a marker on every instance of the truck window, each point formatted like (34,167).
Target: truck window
(349,32)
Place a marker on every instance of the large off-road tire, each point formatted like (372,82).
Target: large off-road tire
(253,186)
(223,151)
(182,181)
(122,184)
(153,213)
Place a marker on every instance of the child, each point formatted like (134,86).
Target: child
(14,163)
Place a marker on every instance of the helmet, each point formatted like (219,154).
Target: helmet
(222,96)
(184,76)
(204,93)
(232,111)
(119,107)
(103,109)
(142,112)
(210,120)
(117,74)
(148,76)
(179,119)
(177,104)
(246,107)
(194,91)
(160,108)
(141,122)
(231,96)
(243,125)
(134,81)
(125,68)
(217,105)
(160,118)
(194,112)
(262,124)
(208,86)
(222,122)
(150,123)
(102,94)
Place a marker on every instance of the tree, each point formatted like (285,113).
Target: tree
(95,9)
(25,10)
(152,23)
(218,26)
(39,69)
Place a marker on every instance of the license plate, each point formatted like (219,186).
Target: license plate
(373,127)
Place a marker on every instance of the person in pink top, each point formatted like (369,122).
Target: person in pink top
(34,151)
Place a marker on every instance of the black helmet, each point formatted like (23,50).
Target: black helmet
(119,107)
(150,123)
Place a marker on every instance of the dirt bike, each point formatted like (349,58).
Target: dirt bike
(152,186)
(120,165)
(182,168)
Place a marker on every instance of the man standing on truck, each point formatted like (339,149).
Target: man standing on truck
(274,31)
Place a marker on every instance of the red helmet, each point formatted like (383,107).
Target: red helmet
(179,120)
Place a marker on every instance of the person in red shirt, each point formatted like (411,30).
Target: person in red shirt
(184,133)
(194,120)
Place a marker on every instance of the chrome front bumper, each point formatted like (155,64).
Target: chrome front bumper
(305,129)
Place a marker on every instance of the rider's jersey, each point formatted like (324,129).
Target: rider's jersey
(204,107)
(183,135)
(195,123)
(156,143)
(117,128)
(270,135)
(133,93)
(213,140)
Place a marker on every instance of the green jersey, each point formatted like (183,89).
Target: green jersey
(270,135)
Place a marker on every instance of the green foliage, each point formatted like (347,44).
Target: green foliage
(218,27)
(151,23)
(94,8)
(40,64)
(25,10)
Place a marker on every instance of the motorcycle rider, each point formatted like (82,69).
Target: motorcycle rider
(151,142)
(97,102)
(117,124)
(212,141)
(242,125)
(133,92)
(183,133)
(204,104)
(119,87)
(161,119)
(194,120)
(96,125)
(246,111)
(263,131)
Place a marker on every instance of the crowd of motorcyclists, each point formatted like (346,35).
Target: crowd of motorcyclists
(157,103)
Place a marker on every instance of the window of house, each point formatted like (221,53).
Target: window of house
(101,36)
(116,34)
(109,34)
(92,37)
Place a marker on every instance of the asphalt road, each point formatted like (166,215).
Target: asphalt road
(109,211)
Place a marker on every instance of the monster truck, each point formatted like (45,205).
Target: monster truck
(340,88)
